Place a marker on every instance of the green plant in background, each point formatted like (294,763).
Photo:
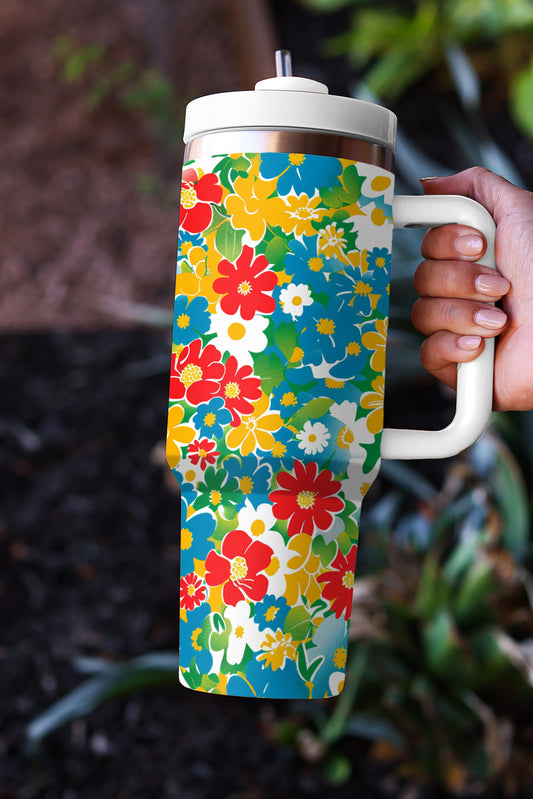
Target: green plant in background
(440,673)
(136,89)
(399,43)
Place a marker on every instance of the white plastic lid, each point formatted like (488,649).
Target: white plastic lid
(286,103)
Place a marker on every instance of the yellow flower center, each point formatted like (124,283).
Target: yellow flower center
(288,399)
(279,449)
(186,536)
(231,390)
(306,499)
(183,320)
(347,579)
(210,419)
(216,497)
(315,264)
(345,438)
(191,590)
(296,159)
(353,348)
(326,327)
(297,300)
(236,330)
(202,453)
(363,289)
(246,484)
(380,262)
(190,374)
(339,658)
(311,438)
(258,527)
(194,639)
(239,569)
(239,631)
(188,196)
(270,615)
(244,288)
(364,488)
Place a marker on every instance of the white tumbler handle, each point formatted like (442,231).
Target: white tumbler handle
(474,379)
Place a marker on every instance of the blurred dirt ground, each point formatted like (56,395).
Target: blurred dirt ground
(76,232)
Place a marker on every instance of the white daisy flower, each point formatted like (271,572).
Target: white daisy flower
(244,630)
(313,438)
(237,336)
(294,298)
(354,432)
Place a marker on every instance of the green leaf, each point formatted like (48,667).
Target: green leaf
(276,250)
(228,241)
(433,592)
(217,219)
(353,182)
(111,682)
(305,669)
(326,552)
(270,369)
(297,623)
(286,338)
(314,409)
(471,602)
(446,652)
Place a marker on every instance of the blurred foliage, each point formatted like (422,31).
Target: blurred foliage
(398,43)
(440,675)
(106,79)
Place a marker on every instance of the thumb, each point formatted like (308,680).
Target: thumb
(499,196)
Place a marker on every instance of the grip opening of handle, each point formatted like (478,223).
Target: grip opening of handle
(474,379)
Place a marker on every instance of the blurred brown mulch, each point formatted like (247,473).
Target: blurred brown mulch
(75,231)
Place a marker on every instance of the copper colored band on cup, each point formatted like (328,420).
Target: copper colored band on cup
(289,141)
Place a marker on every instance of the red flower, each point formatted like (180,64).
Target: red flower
(237,569)
(244,283)
(307,498)
(196,195)
(192,592)
(237,388)
(202,451)
(195,373)
(339,583)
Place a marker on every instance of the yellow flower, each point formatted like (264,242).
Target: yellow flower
(301,213)
(251,207)
(277,648)
(374,399)
(331,242)
(177,434)
(377,340)
(339,658)
(199,282)
(255,431)
(304,565)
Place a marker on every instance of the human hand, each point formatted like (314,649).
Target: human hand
(453,311)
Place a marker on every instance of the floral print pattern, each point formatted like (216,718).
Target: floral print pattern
(276,412)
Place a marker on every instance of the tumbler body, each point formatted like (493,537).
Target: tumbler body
(276,400)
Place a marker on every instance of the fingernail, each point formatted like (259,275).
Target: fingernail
(470,244)
(468,343)
(433,177)
(492,284)
(491,318)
